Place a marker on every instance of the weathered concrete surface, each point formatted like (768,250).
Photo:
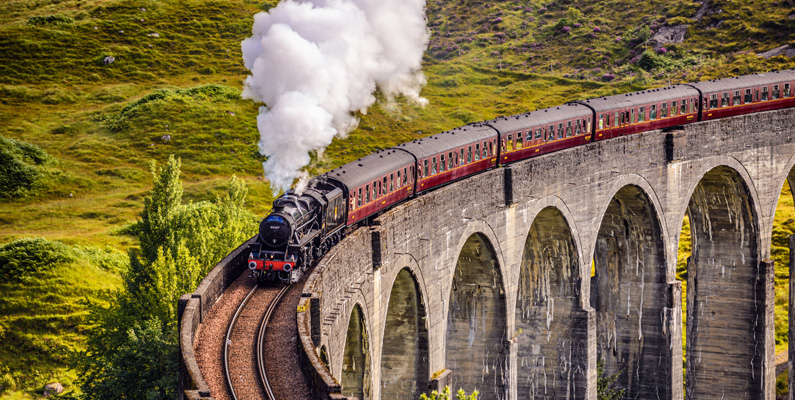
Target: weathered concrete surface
(551,325)
(404,360)
(629,293)
(476,337)
(619,204)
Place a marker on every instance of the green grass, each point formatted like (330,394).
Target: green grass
(42,314)
(174,84)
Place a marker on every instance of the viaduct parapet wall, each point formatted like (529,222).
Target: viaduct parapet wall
(517,281)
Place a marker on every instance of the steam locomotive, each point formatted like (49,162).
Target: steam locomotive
(303,227)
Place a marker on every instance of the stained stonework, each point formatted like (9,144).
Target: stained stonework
(356,359)
(550,327)
(476,352)
(628,292)
(404,358)
(724,333)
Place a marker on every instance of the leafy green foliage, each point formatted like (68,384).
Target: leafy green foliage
(604,383)
(29,257)
(178,244)
(20,167)
(445,395)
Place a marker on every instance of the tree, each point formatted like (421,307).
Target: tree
(604,383)
(132,348)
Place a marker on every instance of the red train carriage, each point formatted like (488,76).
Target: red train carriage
(375,182)
(625,114)
(746,94)
(542,131)
(452,155)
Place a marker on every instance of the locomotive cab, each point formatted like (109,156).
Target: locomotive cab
(290,236)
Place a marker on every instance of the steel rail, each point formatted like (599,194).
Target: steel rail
(261,340)
(227,342)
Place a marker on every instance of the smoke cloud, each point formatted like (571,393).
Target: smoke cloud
(316,62)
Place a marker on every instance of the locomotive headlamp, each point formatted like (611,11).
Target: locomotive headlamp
(252,265)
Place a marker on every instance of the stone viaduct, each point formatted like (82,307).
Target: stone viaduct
(515,282)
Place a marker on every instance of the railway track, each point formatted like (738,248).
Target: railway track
(244,364)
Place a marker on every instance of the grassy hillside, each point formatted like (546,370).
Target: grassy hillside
(173,88)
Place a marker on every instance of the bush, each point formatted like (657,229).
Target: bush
(26,257)
(20,167)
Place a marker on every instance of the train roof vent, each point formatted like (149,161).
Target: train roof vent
(361,165)
(382,156)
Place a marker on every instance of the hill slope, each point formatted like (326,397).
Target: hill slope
(105,86)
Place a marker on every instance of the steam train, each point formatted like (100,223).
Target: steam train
(303,227)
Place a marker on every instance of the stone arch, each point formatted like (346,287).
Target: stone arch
(476,352)
(404,351)
(356,370)
(629,293)
(551,332)
(725,302)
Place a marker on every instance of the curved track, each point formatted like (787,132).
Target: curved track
(244,342)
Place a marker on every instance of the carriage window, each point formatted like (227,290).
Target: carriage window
(510,142)
(383,188)
(748,97)
(776,93)
(786,90)
(391,182)
(724,100)
(653,112)
(568,129)
(764,93)
(674,108)
(641,114)
(460,161)
(663,110)
(577,129)
(477,151)
(713,101)
(737,99)
(379,189)
(551,133)
(359,198)
(469,155)
(405,177)
(367,194)
(433,166)
(442,164)
(484,152)
(425,168)
(528,136)
(684,107)
(538,133)
(397,182)
(560,130)
(518,141)
(602,121)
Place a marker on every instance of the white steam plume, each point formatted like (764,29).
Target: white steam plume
(315,62)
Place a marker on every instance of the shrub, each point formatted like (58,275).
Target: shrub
(26,257)
(20,167)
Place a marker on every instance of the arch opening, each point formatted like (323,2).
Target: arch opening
(724,338)
(356,358)
(630,294)
(476,350)
(551,325)
(404,357)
